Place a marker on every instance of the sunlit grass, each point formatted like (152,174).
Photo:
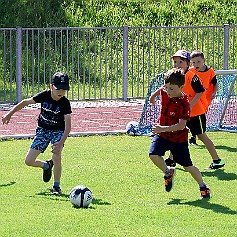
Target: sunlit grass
(128,193)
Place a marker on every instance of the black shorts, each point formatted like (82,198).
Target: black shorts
(179,151)
(197,124)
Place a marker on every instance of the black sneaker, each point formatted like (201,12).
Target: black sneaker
(205,192)
(47,174)
(170,163)
(193,141)
(55,190)
(216,165)
(169,180)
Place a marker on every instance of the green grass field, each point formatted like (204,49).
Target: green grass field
(128,193)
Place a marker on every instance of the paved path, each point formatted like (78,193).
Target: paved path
(87,117)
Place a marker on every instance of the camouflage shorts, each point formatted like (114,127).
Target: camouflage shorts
(43,137)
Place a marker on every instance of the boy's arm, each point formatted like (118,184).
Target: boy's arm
(214,91)
(154,95)
(195,99)
(198,88)
(6,118)
(67,130)
(178,126)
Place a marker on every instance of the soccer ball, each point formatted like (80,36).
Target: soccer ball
(132,128)
(80,196)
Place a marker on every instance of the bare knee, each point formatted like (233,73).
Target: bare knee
(29,162)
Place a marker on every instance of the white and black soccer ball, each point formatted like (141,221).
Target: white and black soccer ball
(132,128)
(81,196)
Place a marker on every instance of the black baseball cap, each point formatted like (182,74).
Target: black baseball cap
(60,81)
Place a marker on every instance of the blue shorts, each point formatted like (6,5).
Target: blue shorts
(179,151)
(44,136)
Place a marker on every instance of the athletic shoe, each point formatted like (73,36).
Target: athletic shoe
(214,165)
(169,179)
(55,190)
(170,163)
(47,174)
(193,141)
(205,192)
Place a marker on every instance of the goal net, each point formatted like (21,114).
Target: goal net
(221,115)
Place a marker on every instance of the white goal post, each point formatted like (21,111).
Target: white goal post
(225,118)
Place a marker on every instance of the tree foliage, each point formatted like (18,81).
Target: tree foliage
(96,13)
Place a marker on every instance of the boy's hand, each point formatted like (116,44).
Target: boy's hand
(213,96)
(153,100)
(156,128)
(6,118)
(57,147)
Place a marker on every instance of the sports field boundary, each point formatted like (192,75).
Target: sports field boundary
(88,118)
(73,134)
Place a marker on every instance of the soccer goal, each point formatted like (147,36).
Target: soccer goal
(221,115)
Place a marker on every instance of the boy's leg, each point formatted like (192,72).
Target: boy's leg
(57,160)
(197,125)
(169,173)
(196,174)
(194,171)
(56,190)
(39,145)
(31,158)
(32,161)
(159,162)
(209,145)
(170,161)
(157,149)
(217,162)
(193,140)
(57,167)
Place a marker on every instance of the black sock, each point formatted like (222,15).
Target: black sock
(217,161)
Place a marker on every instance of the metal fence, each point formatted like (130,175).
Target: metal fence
(103,62)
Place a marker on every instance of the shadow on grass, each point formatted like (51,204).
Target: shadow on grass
(48,194)
(204,203)
(94,202)
(227,148)
(65,197)
(8,184)
(220,174)
(99,202)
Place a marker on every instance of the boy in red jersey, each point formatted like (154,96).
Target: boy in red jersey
(170,132)
(207,76)
(194,89)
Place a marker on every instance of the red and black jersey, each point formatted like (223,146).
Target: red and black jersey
(172,110)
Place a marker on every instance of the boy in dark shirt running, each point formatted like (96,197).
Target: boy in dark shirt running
(170,132)
(54,125)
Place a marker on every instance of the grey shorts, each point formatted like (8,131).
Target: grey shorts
(44,136)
